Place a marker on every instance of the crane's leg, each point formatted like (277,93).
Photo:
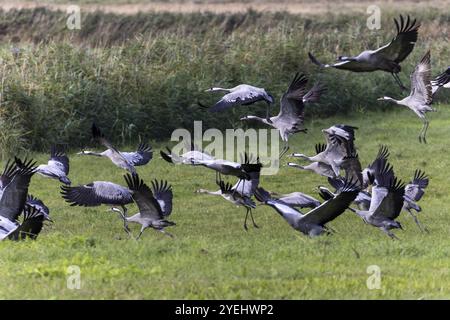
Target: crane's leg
(140,233)
(251,216)
(123,217)
(399,82)
(422,228)
(245,221)
(285,149)
(423,132)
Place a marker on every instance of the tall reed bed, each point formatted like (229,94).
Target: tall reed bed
(140,77)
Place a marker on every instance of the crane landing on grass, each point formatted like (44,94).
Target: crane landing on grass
(421,96)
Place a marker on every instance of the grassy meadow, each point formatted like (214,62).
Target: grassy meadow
(213,257)
(140,77)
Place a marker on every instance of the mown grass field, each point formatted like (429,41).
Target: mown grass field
(213,257)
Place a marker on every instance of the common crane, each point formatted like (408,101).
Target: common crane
(99,193)
(296,199)
(234,195)
(414,191)
(154,205)
(340,144)
(220,166)
(57,166)
(140,157)
(291,116)
(386,202)
(386,58)
(314,222)
(421,97)
(242,94)
(112,153)
(320,168)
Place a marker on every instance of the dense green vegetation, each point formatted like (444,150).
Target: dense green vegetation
(141,76)
(213,257)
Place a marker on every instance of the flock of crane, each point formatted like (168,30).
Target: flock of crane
(374,193)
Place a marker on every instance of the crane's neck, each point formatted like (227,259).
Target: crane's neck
(262,120)
(385,98)
(204,191)
(92,153)
(213,89)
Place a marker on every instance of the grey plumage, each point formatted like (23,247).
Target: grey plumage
(421,96)
(240,193)
(340,144)
(386,58)
(154,206)
(97,193)
(297,200)
(100,193)
(116,157)
(291,116)
(414,191)
(386,202)
(314,222)
(243,94)
(57,166)
(220,166)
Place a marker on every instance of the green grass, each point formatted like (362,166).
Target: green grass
(213,257)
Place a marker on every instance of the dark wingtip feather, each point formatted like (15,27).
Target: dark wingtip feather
(166,156)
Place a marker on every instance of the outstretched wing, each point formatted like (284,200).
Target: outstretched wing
(244,96)
(58,157)
(33,221)
(147,203)
(7,175)
(291,105)
(416,188)
(332,208)
(421,90)
(96,193)
(141,156)
(99,136)
(392,203)
(314,94)
(401,46)
(14,196)
(164,195)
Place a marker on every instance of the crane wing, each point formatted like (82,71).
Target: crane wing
(31,226)
(421,89)
(99,136)
(334,207)
(415,189)
(142,195)
(314,94)
(96,193)
(164,195)
(141,156)
(14,196)
(245,96)
(401,46)
(59,158)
